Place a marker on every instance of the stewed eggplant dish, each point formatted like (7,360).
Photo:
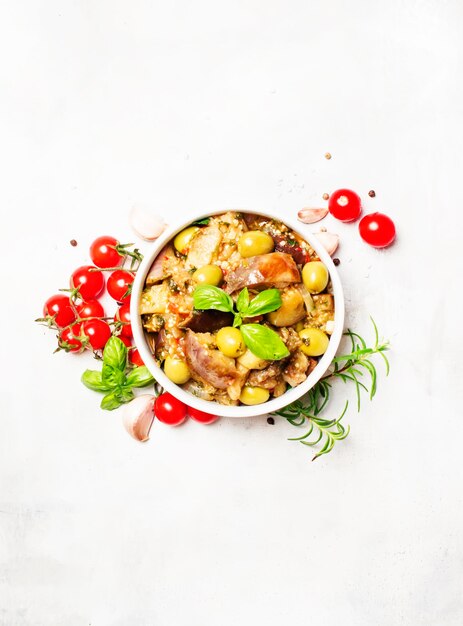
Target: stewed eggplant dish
(237,308)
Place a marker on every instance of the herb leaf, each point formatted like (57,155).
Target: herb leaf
(264,342)
(139,377)
(111,400)
(204,222)
(126,394)
(210,297)
(242,302)
(112,375)
(93,380)
(115,353)
(349,368)
(265,302)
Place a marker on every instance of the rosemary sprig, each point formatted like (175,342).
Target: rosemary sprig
(297,414)
(349,368)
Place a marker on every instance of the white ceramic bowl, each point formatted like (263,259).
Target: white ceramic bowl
(212,406)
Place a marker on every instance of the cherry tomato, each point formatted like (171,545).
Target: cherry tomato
(125,340)
(119,285)
(98,333)
(68,341)
(90,308)
(90,283)
(345,205)
(59,307)
(123,315)
(201,416)
(377,229)
(103,252)
(169,410)
(135,358)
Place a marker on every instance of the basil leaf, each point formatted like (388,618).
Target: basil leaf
(139,377)
(112,376)
(242,302)
(210,297)
(237,320)
(203,222)
(265,302)
(93,380)
(111,400)
(115,353)
(264,342)
(126,394)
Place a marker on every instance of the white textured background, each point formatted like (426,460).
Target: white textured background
(197,105)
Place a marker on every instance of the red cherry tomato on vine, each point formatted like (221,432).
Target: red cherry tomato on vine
(169,410)
(90,283)
(103,252)
(90,308)
(135,358)
(345,205)
(377,229)
(68,341)
(59,307)
(98,333)
(201,416)
(125,340)
(119,285)
(123,315)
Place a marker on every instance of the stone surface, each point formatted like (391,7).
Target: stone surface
(192,106)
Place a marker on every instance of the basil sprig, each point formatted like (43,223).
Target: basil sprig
(261,340)
(114,380)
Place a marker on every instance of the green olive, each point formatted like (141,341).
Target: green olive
(176,370)
(255,242)
(230,342)
(254,395)
(208,275)
(183,239)
(314,341)
(315,276)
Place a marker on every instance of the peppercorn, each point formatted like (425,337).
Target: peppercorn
(73,243)
(336,262)
(372,193)
(270,420)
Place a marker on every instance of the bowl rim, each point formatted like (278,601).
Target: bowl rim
(210,406)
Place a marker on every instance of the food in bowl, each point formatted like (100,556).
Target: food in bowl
(237,308)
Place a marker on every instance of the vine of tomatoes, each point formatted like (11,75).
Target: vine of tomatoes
(79,318)
(77,312)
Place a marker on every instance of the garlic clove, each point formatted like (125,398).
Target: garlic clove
(310,216)
(329,241)
(145,223)
(138,416)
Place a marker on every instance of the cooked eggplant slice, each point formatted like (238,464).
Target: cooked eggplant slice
(160,268)
(203,247)
(154,299)
(209,365)
(275,269)
(207,321)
